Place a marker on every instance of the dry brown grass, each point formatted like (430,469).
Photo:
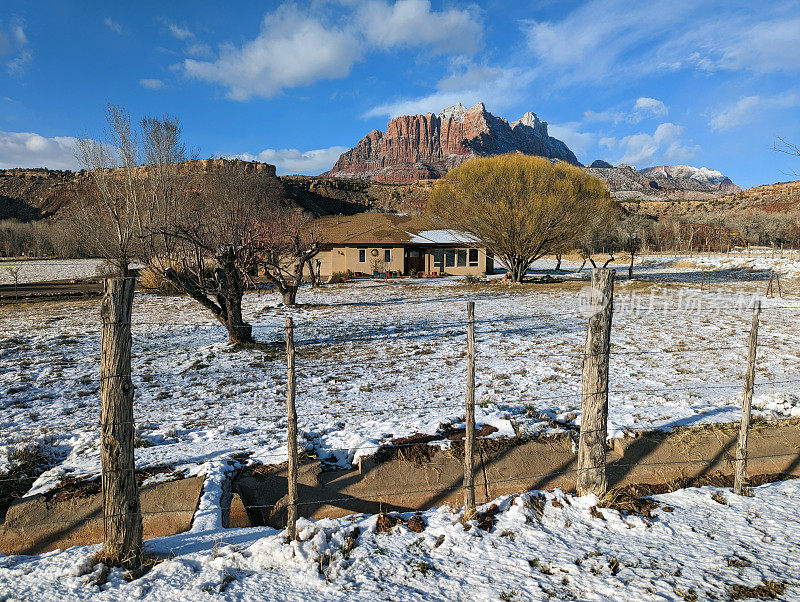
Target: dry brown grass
(767,590)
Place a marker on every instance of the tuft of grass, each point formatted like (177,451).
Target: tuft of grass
(25,464)
(424,567)
(767,590)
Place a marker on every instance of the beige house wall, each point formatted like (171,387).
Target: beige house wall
(344,258)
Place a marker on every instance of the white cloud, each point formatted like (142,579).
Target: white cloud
(294,48)
(604,39)
(650,106)
(291,50)
(747,108)
(200,50)
(27,149)
(113,25)
(607,142)
(643,107)
(665,143)
(578,142)
(14,47)
(181,33)
(293,161)
(412,23)
(151,83)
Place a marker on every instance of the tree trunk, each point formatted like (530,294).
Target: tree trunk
(630,268)
(594,382)
(239,331)
(558,262)
(289,295)
(313,274)
(740,476)
(469,434)
(517,269)
(231,292)
(583,265)
(122,515)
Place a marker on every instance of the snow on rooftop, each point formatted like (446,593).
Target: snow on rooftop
(443,237)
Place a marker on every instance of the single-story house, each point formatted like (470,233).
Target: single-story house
(370,243)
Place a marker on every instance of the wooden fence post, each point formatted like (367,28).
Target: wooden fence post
(747,400)
(469,436)
(291,438)
(594,381)
(122,515)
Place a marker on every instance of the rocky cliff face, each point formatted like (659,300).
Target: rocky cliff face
(422,147)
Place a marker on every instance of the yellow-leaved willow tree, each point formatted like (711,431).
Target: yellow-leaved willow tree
(522,207)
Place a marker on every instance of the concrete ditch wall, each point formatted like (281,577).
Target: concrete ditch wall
(418,479)
(43,522)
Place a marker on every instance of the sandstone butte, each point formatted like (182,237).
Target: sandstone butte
(422,147)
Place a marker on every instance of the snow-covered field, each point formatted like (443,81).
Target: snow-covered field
(380,360)
(45,270)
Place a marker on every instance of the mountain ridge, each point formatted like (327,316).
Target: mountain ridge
(423,147)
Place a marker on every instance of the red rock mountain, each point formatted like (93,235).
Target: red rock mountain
(421,147)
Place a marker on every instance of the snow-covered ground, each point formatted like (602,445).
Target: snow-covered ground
(45,270)
(702,544)
(380,360)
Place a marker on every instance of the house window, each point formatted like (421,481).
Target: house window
(462,258)
(438,258)
(387,255)
(450,258)
(473,258)
(362,255)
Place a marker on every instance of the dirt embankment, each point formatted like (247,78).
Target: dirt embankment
(417,475)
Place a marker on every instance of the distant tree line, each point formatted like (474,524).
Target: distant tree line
(61,238)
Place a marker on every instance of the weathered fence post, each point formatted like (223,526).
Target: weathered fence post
(291,438)
(469,436)
(747,400)
(122,515)
(594,380)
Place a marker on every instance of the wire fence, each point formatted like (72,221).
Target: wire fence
(313,335)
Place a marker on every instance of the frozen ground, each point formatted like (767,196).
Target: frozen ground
(702,544)
(379,360)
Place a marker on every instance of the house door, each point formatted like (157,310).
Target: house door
(415,260)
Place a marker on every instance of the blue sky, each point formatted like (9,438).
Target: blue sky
(295,84)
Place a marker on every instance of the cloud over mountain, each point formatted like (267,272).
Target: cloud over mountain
(294,48)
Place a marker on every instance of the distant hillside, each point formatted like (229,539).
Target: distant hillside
(32,194)
(783,197)
(676,182)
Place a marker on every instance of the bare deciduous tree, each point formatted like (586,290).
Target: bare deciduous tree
(521,207)
(789,148)
(212,242)
(288,242)
(115,219)
(630,234)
